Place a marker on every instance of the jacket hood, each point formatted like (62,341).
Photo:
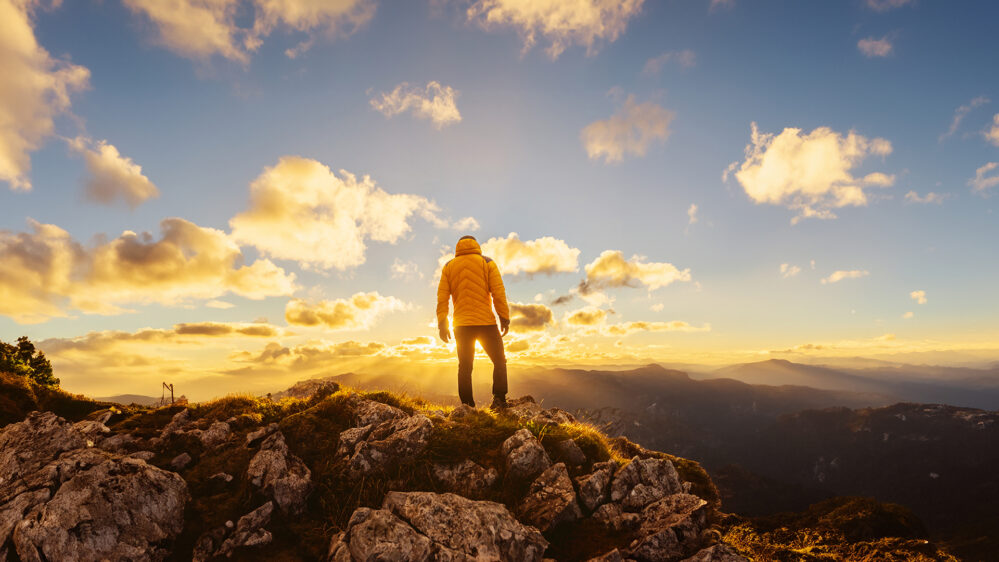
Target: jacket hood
(467,246)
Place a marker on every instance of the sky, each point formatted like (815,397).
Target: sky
(237,194)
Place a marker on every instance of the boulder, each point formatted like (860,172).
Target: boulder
(525,457)
(180,462)
(594,488)
(215,435)
(670,529)
(377,534)
(461,412)
(466,478)
(261,433)
(351,437)
(717,553)
(643,481)
(27,446)
(92,430)
(553,416)
(179,421)
(143,455)
(388,444)
(612,556)
(371,412)
(569,452)
(280,475)
(550,501)
(611,516)
(480,530)
(249,531)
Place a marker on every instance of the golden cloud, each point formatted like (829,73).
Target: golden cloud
(631,130)
(992,133)
(626,328)
(299,210)
(812,173)
(435,102)
(840,275)
(586,316)
(563,23)
(359,312)
(36,88)
(610,270)
(787,270)
(530,317)
(546,255)
(46,272)
(334,18)
(111,175)
(918,296)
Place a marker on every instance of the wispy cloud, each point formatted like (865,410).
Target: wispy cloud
(930,197)
(685,59)
(787,270)
(960,113)
(918,296)
(840,275)
(434,102)
(630,130)
(982,182)
(871,47)
(992,133)
(885,5)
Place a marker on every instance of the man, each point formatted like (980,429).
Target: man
(474,283)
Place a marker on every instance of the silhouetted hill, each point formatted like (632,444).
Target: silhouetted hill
(130,399)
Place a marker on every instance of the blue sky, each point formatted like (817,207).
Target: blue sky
(203,127)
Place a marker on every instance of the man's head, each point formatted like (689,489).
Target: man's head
(467,237)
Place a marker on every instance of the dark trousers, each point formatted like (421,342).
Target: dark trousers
(489,336)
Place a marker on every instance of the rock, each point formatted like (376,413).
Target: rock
(611,515)
(180,462)
(377,534)
(92,430)
(594,488)
(216,434)
(553,416)
(669,528)
(351,437)
(261,433)
(120,509)
(389,443)
(466,478)
(612,556)
(569,452)
(180,420)
(550,501)
(371,412)
(525,457)
(280,475)
(208,543)
(27,446)
(461,412)
(643,481)
(339,550)
(249,531)
(143,455)
(480,530)
(717,553)
(221,477)
(523,407)
(116,443)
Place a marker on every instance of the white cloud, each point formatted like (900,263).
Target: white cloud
(885,5)
(219,304)
(631,130)
(545,255)
(871,47)
(930,197)
(658,307)
(960,113)
(47,273)
(405,270)
(359,312)
(111,175)
(982,182)
(611,270)
(435,102)
(300,210)
(918,296)
(561,22)
(992,133)
(908,315)
(840,275)
(330,18)
(692,214)
(35,88)
(685,59)
(787,270)
(811,173)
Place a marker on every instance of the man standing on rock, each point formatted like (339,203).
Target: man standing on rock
(474,283)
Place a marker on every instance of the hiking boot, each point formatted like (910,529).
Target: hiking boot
(499,403)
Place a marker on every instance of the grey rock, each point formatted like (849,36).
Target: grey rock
(27,446)
(461,412)
(389,443)
(92,430)
(208,543)
(550,501)
(143,455)
(180,462)
(569,452)
(221,477)
(339,550)
(116,443)
(525,457)
(280,475)
(261,433)
(611,515)
(249,531)
(179,421)
(478,530)
(371,412)
(215,435)
(643,481)
(553,416)
(377,534)
(351,437)
(612,556)
(523,407)
(669,529)
(717,553)
(594,488)
(466,478)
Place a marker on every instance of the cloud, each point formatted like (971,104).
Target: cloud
(811,173)
(219,304)
(111,175)
(992,133)
(960,113)
(840,275)
(435,102)
(611,270)
(586,316)
(718,4)
(908,315)
(35,89)
(871,47)
(300,210)
(359,312)
(405,270)
(918,296)
(658,307)
(626,328)
(885,5)
(692,214)
(586,23)
(180,334)
(787,270)
(201,29)
(530,317)
(930,197)
(47,273)
(545,255)
(980,183)
(685,59)
(631,130)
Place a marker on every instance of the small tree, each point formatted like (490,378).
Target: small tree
(25,360)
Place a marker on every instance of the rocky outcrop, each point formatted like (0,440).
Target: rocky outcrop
(551,500)
(643,481)
(466,478)
(594,488)
(280,475)
(525,457)
(669,529)
(372,449)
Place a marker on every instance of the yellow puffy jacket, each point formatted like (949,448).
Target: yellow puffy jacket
(474,283)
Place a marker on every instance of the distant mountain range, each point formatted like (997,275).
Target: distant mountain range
(129,399)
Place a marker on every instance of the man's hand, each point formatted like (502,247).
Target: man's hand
(445,334)
(504,326)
